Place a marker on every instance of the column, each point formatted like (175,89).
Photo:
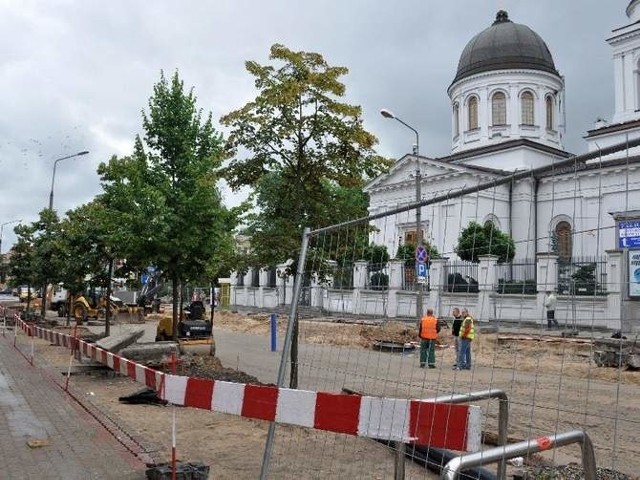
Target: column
(485,310)
(263,281)
(283,297)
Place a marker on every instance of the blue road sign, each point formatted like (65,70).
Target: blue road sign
(629,234)
(421,254)
(422,271)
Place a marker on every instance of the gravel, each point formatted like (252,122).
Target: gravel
(573,471)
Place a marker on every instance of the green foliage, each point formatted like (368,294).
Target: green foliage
(164,198)
(379,281)
(477,240)
(308,155)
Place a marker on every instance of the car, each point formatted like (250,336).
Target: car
(6,291)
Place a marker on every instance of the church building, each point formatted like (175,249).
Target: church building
(508,115)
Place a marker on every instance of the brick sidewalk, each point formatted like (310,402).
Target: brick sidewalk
(33,407)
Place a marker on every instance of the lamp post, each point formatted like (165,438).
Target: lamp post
(53,177)
(419,240)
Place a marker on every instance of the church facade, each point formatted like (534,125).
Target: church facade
(507,115)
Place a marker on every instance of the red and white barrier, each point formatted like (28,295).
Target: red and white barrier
(442,425)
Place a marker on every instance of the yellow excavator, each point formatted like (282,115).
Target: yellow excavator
(89,305)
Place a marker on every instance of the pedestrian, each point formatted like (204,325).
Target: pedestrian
(550,304)
(428,334)
(455,331)
(466,335)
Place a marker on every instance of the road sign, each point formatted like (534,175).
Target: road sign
(629,234)
(422,255)
(422,272)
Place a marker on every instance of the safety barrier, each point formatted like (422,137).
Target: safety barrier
(443,425)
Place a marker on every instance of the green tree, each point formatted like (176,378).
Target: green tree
(487,239)
(306,151)
(166,191)
(22,264)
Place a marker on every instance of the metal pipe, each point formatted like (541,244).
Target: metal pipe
(503,415)
(286,348)
(452,469)
(574,161)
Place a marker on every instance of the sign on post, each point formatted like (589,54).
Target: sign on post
(629,234)
(422,258)
(634,273)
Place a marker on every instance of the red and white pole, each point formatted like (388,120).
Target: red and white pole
(173,424)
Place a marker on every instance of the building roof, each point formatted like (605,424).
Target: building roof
(499,147)
(505,46)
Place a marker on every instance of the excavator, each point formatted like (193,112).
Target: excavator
(92,305)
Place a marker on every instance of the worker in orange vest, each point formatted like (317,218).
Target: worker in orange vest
(428,334)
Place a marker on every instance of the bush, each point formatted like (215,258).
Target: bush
(379,281)
(457,283)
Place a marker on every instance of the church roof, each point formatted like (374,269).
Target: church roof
(506,145)
(505,45)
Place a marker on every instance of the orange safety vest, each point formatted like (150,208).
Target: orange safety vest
(429,327)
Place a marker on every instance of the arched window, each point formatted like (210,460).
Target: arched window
(526,106)
(562,240)
(549,104)
(473,113)
(499,109)
(456,120)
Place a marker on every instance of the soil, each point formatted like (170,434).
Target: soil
(233,446)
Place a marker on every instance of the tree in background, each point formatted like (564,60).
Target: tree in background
(22,264)
(166,191)
(487,239)
(308,155)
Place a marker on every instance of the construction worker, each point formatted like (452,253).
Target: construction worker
(467,334)
(428,334)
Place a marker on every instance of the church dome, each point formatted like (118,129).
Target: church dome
(505,46)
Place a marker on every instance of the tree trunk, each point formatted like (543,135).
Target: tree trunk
(175,292)
(107,314)
(293,377)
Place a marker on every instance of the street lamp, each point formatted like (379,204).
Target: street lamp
(53,177)
(416,152)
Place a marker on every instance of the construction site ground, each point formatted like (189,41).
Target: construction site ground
(552,367)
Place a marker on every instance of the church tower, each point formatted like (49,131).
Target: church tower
(625,123)
(506,88)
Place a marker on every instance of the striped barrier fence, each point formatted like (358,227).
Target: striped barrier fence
(437,424)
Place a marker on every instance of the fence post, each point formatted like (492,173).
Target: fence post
(437,283)
(486,287)
(360,270)
(274,331)
(395,284)
(546,280)
(614,290)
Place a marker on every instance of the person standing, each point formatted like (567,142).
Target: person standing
(467,334)
(550,304)
(455,331)
(428,334)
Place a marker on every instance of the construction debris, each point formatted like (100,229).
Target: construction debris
(115,343)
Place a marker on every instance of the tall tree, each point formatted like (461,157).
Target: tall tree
(302,144)
(166,190)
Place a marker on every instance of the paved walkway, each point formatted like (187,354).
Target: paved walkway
(33,407)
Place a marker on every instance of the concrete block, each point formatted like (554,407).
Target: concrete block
(115,343)
(153,352)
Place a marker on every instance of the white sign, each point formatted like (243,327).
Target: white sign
(634,273)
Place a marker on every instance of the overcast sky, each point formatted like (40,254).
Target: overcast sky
(75,74)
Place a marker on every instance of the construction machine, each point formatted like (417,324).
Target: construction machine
(93,306)
(194,335)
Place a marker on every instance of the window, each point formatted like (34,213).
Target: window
(473,113)
(456,120)
(549,103)
(499,109)
(526,105)
(410,237)
(562,240)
